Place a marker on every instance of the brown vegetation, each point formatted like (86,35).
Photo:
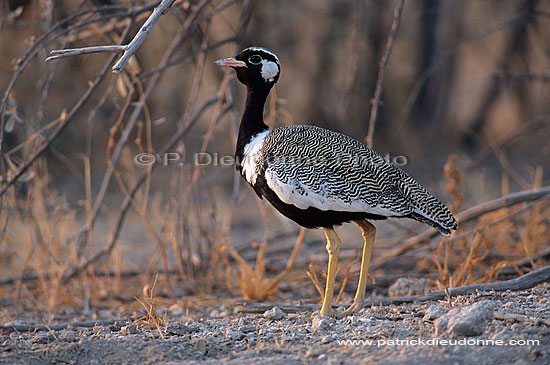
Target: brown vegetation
(83,221)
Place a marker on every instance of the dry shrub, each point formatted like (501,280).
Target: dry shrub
(503,238)
(454,176)
(189,234)
(472,270)
(41,224)
(149,316)
(311,274)
(254,283)
(498,239)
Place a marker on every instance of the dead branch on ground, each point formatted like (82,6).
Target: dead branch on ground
(61,326)
(526,281)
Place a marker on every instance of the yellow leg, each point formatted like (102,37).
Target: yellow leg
(333,249)
(368,231)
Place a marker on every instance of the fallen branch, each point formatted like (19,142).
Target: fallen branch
(129,49)
(520,318)
(526,281)
(96,273)
(60,326)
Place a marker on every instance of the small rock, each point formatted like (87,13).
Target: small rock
(534,354)
(200,346)
(274,313)
(327,339)
(214,313)
(178,329)
(224,311)
(68,336)
(313,352)
(234,334)
(434,312)
(357,320)
(466,321)
(130,329)
(193,326)
(43,338)
(407,286)
(248,329)
(176,310)
(319,323)
(251,341)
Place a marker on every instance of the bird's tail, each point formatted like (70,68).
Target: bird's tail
(428,209)
(443,228)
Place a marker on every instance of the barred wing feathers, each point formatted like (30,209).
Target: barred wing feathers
(309,166)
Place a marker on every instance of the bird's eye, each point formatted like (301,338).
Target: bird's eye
(255,60)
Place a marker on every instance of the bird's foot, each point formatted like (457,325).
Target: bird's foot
(351,309)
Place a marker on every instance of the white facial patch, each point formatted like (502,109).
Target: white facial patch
(269,70)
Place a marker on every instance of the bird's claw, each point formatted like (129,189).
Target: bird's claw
(351,309)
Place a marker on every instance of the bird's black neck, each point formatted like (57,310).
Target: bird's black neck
(252,122)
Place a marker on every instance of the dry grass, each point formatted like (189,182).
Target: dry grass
(41,224)
(451,172)
(58,219)
(253,283)
(499,239)
(320,288)
(149,316)
(53,247)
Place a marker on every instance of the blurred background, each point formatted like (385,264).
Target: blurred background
(87,218)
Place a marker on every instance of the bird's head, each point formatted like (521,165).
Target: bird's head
(255,67)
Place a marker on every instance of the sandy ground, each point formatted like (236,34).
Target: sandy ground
(485,328)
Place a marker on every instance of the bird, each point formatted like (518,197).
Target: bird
(321,178)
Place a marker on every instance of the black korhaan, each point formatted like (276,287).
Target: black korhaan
(321,178)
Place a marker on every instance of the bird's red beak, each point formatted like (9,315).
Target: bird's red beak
(230,62)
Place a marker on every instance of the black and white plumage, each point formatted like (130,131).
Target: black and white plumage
(312,167)
(321,178)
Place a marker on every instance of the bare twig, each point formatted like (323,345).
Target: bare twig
(526,281)
(62,53)
(382,69)
(128,49)
(507,166)
(144,31)
(44,40)
(523,132)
